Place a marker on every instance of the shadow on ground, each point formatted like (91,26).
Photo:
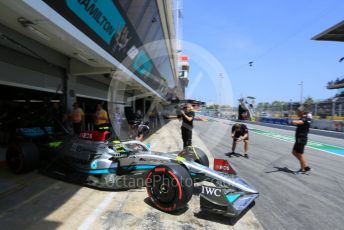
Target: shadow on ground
(280,169)
(179,212)
(230,154)
(27,199)
(222,219)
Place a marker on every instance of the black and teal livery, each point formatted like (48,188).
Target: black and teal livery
(170,178)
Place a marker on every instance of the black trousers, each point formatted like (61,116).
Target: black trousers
(77,128)
(187,136)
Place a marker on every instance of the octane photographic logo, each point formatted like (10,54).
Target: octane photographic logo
(149,66)
(117,182)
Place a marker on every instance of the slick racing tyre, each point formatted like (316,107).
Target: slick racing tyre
(170,187)
(202,157)
(196,154)
(22,157)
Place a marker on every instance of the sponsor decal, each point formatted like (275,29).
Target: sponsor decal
(222,165)
(108,25)
(86,135)
(94,164)
(142,63)
(101,16)
(132,52)
(212,191)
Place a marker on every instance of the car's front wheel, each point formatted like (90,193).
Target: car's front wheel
(170,187)
(22,157)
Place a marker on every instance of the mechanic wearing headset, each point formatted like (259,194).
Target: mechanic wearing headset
(240,133)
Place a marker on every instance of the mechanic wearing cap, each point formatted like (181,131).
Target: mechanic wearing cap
(301,137)
(240,133)
(187,115)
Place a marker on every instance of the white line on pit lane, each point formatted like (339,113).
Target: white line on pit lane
(93,216)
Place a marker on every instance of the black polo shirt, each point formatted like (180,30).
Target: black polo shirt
(243,130)
(186,123)
(303,130)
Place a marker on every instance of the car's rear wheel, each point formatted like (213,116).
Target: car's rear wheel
(195,154)
(22,157)
(201,157)
(170,187)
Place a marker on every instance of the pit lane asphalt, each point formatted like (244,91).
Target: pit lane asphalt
(35,201)
(287,201)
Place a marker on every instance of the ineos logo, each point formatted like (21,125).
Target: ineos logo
(211,191)
(224,167)
(86,136)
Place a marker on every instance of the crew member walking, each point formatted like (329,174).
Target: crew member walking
(187,116)
(240,133)
(301,138)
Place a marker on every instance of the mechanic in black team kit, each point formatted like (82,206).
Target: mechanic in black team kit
(187,115)
(240,133)
(301,137)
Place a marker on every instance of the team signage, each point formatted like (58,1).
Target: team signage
(101,16)
(106,23)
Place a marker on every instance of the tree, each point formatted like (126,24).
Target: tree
(225,106)
(309,103)
(266,105)
(260,105)
(276,105)
(214,106)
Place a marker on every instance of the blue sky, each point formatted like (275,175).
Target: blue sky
(275,35)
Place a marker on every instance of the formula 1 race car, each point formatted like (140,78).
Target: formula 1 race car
(93,159)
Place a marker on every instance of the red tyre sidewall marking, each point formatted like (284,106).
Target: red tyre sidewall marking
(148,185)
(178,183)
(160,170)
(169,209)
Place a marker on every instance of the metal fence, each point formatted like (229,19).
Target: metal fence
(327,109)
